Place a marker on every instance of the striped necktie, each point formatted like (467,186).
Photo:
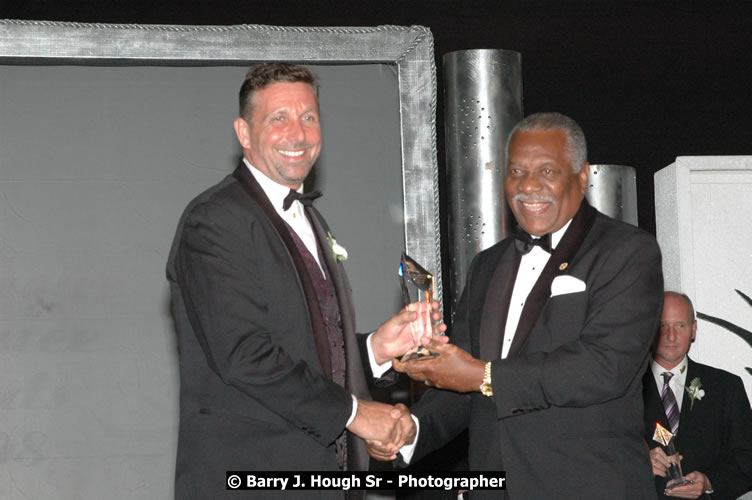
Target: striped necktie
(669,403)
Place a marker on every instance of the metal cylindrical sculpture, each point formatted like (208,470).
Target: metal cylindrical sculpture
(612,189)
(482,103)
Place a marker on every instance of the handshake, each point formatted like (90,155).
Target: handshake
(387,428)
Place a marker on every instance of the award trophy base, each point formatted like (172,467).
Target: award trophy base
(677,479)
(418,353)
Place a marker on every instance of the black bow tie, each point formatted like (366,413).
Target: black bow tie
(525,243)
(306,198)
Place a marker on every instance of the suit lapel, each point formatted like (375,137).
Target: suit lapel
(321,341)
(557,265)
(496,305)
(685,416)
(355,378)
(355,374)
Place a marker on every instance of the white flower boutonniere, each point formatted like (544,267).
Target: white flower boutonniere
(339,252)
(695,391)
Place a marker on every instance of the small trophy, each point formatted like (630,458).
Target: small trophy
(673,472)
(417,286)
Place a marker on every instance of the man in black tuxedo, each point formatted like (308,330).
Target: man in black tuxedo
(549,345)
(714,424)
(270,365)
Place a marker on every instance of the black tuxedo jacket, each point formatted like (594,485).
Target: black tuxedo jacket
(255,389)
(715,433)
(565,420)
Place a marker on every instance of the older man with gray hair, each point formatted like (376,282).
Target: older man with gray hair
(550,338)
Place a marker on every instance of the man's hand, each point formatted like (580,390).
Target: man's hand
(380,422)
(398,334)
(452,369)
(659,461)
(700,483)
(387,452)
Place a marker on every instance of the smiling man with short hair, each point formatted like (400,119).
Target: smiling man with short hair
(272,373)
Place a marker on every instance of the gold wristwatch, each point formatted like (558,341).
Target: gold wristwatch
(485,387)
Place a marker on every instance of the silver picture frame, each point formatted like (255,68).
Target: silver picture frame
(409,49)
(88,337)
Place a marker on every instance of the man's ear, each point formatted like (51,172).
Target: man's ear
(694,330)
(242,131)
(582,177)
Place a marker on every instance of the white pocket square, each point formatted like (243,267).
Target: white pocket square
(566,284)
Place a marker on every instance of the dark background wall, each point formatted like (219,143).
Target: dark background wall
(647,81)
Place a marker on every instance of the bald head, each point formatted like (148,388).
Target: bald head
(678,329)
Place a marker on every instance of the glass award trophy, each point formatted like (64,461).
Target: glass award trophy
(417,286)
(674,475)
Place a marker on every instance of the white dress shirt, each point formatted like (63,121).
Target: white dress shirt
(676,383)
(294,216)
(531,266)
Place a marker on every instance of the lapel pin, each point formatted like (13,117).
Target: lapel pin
(563,266)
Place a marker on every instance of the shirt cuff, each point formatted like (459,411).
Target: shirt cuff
(354,410)
(377,369)
(408,450)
